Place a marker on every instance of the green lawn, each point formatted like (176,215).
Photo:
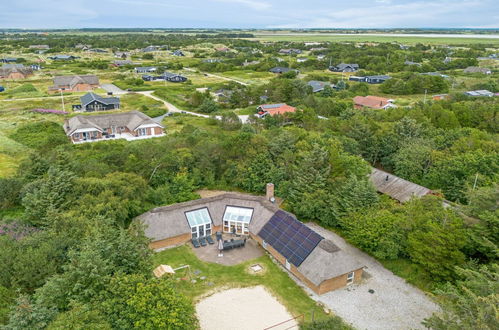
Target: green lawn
(273,278)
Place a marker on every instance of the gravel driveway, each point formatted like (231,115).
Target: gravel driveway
(394,304)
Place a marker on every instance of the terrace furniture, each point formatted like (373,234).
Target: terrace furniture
(195,242)
(202,241)
(232,244)
(210,240)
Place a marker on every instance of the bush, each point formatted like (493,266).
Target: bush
(44,134)
(26,88)
(332,323)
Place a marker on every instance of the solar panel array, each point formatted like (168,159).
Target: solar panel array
(289,237)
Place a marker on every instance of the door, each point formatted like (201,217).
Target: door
(201,231)
(86,135)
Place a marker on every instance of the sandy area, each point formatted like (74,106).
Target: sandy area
(242,309)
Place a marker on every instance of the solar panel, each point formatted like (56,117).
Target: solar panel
(291,238)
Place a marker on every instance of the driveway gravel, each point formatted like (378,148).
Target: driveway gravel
(395,304)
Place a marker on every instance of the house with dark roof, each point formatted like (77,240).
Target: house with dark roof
(8,60)
(319,263)
(412,63)
(212,60)
(274,109)
(344,67)
(63,57)
(167,76)
(122,55)
(178,53)
(145,69)
(373,102)
(280,69)
(396,187)
(120,63)
(379,79)
(92,102)
(318,86)
(77,83)
(130,126)
(289,51)
(15,71)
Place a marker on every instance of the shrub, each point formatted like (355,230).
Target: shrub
(44,134)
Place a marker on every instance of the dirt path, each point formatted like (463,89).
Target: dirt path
(217,76)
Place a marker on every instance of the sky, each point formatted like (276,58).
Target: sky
(47,14)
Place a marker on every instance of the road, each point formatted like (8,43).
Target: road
(217,76)
(173,108)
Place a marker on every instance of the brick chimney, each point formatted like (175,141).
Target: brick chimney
(270,192)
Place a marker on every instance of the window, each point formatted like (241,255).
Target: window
(200,222)
(142,131)
(76,135)
(237,219)
(350,278)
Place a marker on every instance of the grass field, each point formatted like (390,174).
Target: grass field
(273,278)
(374,38)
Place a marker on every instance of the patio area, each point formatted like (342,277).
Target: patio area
(235,256)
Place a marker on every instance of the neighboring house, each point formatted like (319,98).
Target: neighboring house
(318,49)
(412,63)
(280,69)
(145,69)
(222,49)
(246,63)
(173,77)
(2,88)
(274,109)
(289,51)
(476,69)
(317,262)
(168,76)
(132,125)
(344,67)
(395,187)
(149,49)
(122,55)
(318,86)
(301,59)
(63,57)
(447,60)
(82,46)
(223,95)
(35,67)
(39,47)
(178,53)
(97,50)
(321,57)
(212,60)
(81,83)
(376,79)
(122,63)
(440,97)
(15,71)
(370,79)
(479,93)
(372,102)
(93,102)
(8,60)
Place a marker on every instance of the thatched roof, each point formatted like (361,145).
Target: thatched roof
(327,261)
(170,221)
(395,187)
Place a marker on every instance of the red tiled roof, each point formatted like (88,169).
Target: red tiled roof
(373,102)
(276,109)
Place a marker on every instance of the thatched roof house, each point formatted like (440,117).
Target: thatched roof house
(395,187)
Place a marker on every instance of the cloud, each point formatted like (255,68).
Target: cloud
(257,5)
